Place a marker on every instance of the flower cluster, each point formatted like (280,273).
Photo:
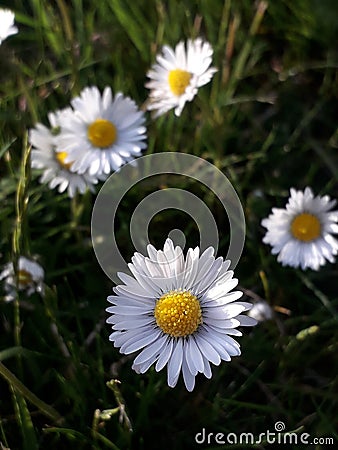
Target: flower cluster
(97,134)
(176,311)
(181,312)
(88,140)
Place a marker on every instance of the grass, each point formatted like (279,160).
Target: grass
(268,121)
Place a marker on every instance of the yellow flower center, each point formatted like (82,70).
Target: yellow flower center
(306,227)
(102,133)
(24,277)
(178,81)
(178,313)
(61,156)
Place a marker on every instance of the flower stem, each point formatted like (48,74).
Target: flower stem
(20,242)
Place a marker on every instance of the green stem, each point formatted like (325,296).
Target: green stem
(113,385)
(20,245)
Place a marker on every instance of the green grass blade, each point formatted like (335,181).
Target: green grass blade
(29,438)
(20,388)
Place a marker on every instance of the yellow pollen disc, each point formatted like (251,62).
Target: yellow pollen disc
(61,156)
(178,81)
(24,277)
(306,227)
(178,313)
(102,133)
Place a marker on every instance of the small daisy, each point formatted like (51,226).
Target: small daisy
(261,311)
(7,27)
(178,74)
(301,233)
(103,132)
(178,311)
(57,169)
(29,277)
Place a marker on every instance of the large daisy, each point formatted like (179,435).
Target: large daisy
(103,132)
(57,169)
(177,75)
(301,234)
(29,278)
(178,311)
(7,27)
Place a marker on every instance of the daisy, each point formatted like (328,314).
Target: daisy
(261,311)
(178,311)
(301,233)
(29,277)
(7,27)
(178,74)
(57,167)
(103,132)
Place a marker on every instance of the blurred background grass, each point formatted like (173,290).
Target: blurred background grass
(268,119)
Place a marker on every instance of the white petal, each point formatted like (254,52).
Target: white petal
(193,356)
(207,350)
(246,321)
(137,344)
(150,350)
(188,377)
(175,363)
(165,355)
